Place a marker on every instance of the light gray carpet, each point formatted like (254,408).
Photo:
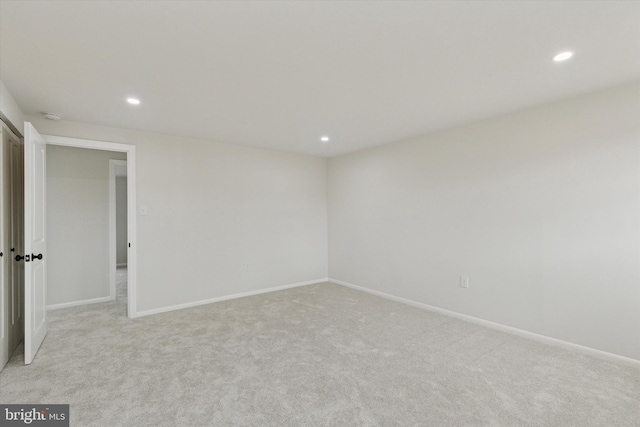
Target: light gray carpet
(319,355)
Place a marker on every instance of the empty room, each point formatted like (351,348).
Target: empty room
(320,213)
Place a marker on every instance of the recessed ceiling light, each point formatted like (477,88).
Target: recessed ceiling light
(562,56)
(133,101)
(324,138)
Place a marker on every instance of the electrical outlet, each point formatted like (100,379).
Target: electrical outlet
(464,282)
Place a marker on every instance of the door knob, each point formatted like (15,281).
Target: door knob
(19,257)
(33,256)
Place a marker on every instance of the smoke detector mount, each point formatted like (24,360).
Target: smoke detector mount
(52,116)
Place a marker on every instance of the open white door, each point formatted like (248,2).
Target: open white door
(35,246)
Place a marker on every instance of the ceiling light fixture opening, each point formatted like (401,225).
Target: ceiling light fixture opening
(133,101)
(324,138)
(563,56)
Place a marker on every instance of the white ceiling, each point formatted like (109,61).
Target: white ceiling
(281,74)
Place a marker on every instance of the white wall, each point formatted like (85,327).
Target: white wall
(212,209)
(121,220)
(78,223)
(540,208)
(10,113)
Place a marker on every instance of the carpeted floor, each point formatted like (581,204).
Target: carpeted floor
(319,355)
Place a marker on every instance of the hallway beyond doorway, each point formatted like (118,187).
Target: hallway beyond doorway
(121,286)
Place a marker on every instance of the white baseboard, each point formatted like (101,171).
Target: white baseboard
(124,264)
(611,357)
(76,303)
(227,297)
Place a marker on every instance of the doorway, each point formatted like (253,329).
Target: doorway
(118,241)
(129,164)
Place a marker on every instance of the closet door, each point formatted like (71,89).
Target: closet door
(5,191)
(16,237)
(11,243)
